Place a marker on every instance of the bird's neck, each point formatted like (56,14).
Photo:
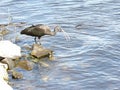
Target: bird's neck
(53,32)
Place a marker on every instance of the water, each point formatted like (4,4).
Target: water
(90,61)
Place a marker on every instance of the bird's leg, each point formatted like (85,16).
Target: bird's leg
(39,40)
(35,40)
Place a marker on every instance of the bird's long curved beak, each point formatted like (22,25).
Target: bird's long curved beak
(66,35)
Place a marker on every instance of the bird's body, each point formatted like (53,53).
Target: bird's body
(40,30)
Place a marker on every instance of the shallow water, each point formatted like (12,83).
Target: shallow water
(89,61)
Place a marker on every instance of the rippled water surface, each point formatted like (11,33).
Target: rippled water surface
(89,61)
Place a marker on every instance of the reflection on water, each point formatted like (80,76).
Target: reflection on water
(90,61)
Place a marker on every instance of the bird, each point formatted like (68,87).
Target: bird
(40,30)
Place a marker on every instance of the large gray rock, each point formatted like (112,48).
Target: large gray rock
(3,71)
(9,49)
(4,85)
(4,77)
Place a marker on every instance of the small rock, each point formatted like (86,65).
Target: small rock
(25,64)
(4,32)
(20,24)
(39,52)
(27,47)
(44,64)
(16,75)
(45,78)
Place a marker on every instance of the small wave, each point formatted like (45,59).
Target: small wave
(5,1)
(91,2)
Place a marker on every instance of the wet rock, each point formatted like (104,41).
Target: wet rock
(4,32)
(43,64)
(38,51)
(27,47)
(45,78)
(25,64)
(9,49)
(3,72)
(3,25)
(17,39)
(10,62)
(16,75)
(18,24)
(4,77)
(4,85)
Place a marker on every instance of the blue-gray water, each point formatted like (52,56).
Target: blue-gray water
(90,61)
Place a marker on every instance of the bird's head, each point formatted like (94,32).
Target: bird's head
(58,29)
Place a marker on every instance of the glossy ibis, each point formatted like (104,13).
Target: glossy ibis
(40,30)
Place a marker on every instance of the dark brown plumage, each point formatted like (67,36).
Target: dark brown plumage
(40,30)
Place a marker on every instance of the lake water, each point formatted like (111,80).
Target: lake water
(89,61)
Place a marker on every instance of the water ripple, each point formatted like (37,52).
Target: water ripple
(89,61)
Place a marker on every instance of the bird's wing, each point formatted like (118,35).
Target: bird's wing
(43,28)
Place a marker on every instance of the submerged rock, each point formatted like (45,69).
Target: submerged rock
(25,64)
(17,24)
(16,75)
(38,51)
(11,64)
(4,32)
(9,49)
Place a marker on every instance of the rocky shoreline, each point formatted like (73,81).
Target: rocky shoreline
(11,56)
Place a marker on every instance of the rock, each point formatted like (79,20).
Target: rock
(27,47)
(10,62)
(9,50)
(3,71)
(4,85)
(4,77)
(16,75)
(18,24)
(39,52)
(25,64)
(4,31)
(43,64)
